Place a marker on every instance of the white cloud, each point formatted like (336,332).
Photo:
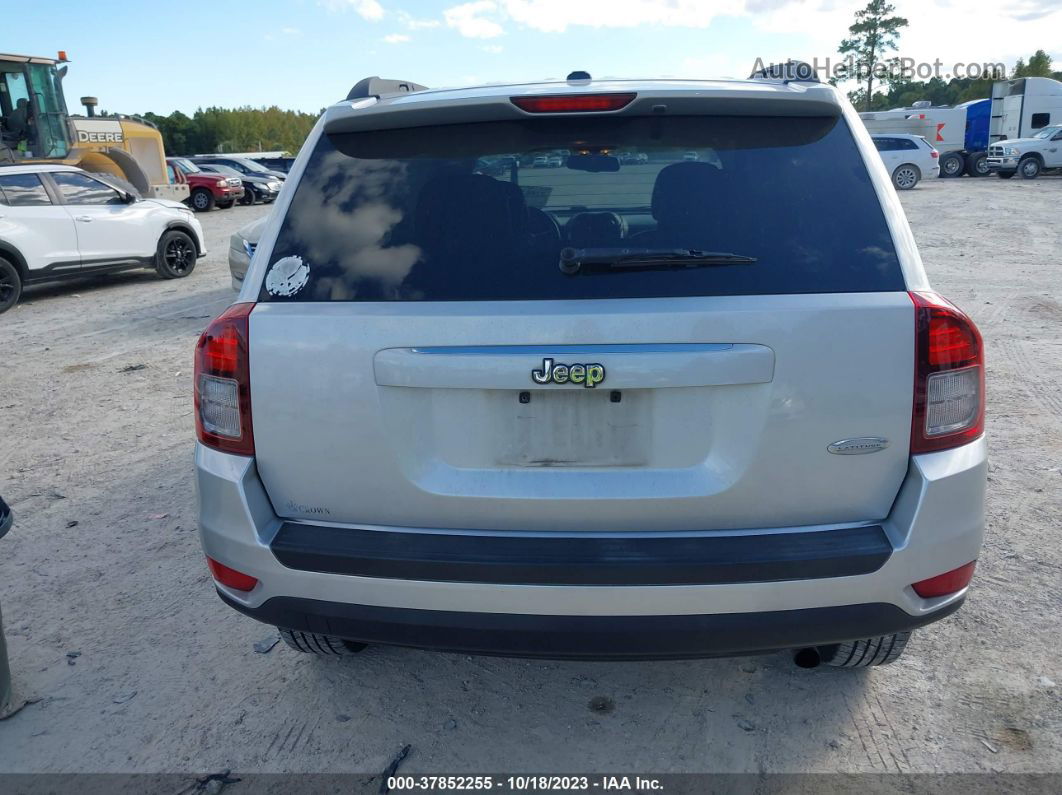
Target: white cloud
(291,31)
(470,20)
(413,23)
(556,16)
(493,49)
(366,9)
(396,38)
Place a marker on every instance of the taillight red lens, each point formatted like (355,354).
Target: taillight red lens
(934,154)
(949,389)
(231,578)
(222,383)
(573,103)
(947,583)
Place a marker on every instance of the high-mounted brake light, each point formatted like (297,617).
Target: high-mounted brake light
(223,383)
(573,103)
(949,389)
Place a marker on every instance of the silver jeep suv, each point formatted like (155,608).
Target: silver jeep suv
(649,405)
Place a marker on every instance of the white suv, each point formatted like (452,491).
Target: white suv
(656,406)
(908,158)
(58,222)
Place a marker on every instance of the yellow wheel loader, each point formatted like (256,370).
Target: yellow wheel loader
(35,127)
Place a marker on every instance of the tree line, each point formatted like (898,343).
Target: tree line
(243,129)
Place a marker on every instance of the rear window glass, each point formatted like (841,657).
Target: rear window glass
(502,210)
(23,190)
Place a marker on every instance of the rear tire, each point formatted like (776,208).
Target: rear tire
(951,165)
(10,285)
(176,255)
(906,176)
(321,645)
(977,164)
(1029,168)
(865,653)
(202,200)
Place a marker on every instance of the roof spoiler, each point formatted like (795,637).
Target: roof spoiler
(380,87)
(788,72)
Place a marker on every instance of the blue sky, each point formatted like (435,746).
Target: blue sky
(305,54)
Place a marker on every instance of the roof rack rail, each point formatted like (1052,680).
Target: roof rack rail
(381,87)
(788,72)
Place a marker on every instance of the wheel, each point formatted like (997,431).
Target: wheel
(906,176)
(977,164)
(248,198)
(322,645)
(951,165)
(176,255)
(10,285)
(1004,174)
(865,653)
(202,200)
(1029,168)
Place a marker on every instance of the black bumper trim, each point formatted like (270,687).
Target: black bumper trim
(589,637)
(587,559)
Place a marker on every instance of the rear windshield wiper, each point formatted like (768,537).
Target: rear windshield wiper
(604,260)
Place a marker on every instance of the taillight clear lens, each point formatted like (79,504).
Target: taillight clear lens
(219,406)
(949,399)
(223,383)
(953,400)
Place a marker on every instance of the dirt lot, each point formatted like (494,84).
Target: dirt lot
(113,625)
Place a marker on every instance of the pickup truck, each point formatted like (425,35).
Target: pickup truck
(206,190)
(1027,156)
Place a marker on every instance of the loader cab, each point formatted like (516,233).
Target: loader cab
(32,108)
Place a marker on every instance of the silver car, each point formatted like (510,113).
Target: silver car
(678,408)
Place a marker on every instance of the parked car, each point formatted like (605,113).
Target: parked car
(58,222)
(207,190)
(255,187)
(727,422)
(281,164)
(1027,156)
(244,165)
(6,520)
(907,158)
(242,245)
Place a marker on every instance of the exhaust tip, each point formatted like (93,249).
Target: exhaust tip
(807,658)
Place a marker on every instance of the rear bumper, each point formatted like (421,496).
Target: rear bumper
(589,637)
(856,585)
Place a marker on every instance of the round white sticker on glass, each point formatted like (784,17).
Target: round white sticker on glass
(287,276)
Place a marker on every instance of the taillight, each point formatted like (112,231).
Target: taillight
(573,103)
(231,578)
(933,153)
(949,389)
(947,583)
(223,383)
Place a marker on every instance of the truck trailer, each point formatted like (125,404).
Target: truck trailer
(959,133)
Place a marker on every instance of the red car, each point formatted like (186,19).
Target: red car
(206,190)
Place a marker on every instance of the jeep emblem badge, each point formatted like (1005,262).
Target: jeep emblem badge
(589,375)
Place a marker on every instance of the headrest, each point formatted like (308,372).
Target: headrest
(683,191)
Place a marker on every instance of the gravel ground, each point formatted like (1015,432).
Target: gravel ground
(113,625)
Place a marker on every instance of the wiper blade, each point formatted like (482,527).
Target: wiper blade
(603,260)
